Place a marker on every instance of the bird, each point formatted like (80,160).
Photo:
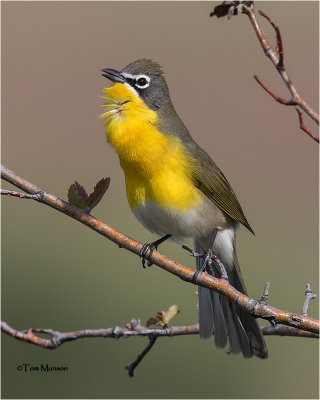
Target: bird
(177,191)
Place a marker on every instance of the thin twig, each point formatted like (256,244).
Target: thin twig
(36,196)
(309,296)
(132,367)
(276,56)
(253,307)
(265,295)
(304,128)
(276,97)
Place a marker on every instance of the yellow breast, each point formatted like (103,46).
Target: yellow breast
(156,166)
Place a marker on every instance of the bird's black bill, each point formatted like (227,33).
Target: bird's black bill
(113,75)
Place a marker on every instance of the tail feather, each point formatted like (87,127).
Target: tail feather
(242,334)
(206,313)
(221,316)
(219,323)
(255,337)
(234,341)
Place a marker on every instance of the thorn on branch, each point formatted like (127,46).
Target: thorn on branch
(265,296)
(304,128)
(132,367)
(309,296)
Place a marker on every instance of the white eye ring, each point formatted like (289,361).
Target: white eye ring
(145,79)
(135,78)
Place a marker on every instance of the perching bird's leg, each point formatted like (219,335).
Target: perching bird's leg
(152,247)
(207,260)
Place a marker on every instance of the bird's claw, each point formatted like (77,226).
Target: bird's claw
(207,262)
(143,253)
(152,247)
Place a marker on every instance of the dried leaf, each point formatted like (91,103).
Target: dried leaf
(230,8)
(152,321)
(220,10)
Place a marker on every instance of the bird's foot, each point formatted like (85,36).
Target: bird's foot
(207,262)
(144,250)
(207,259)
(150,247)
(208,266)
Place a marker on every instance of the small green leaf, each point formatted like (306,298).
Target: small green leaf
(172,311)
(77,195)
(74,198)
(163,317)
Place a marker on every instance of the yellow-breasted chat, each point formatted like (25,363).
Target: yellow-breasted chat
(176,190)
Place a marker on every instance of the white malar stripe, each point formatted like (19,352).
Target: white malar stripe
(132,89)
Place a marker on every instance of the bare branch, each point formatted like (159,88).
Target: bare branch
(275,59)
(276,56)
(136,329)
(59,338)
(287,331)
(253,307)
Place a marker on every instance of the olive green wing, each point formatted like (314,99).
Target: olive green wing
(208,178)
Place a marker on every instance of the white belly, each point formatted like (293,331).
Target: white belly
(196,222)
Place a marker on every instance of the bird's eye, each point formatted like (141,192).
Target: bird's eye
(142,82)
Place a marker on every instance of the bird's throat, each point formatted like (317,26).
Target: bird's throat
(156,165)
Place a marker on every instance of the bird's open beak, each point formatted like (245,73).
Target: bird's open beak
(113,75)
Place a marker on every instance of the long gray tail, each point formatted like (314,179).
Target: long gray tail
(223,317)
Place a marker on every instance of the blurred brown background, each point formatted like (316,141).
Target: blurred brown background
(58,274)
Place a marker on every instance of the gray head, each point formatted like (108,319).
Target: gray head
(146,78)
